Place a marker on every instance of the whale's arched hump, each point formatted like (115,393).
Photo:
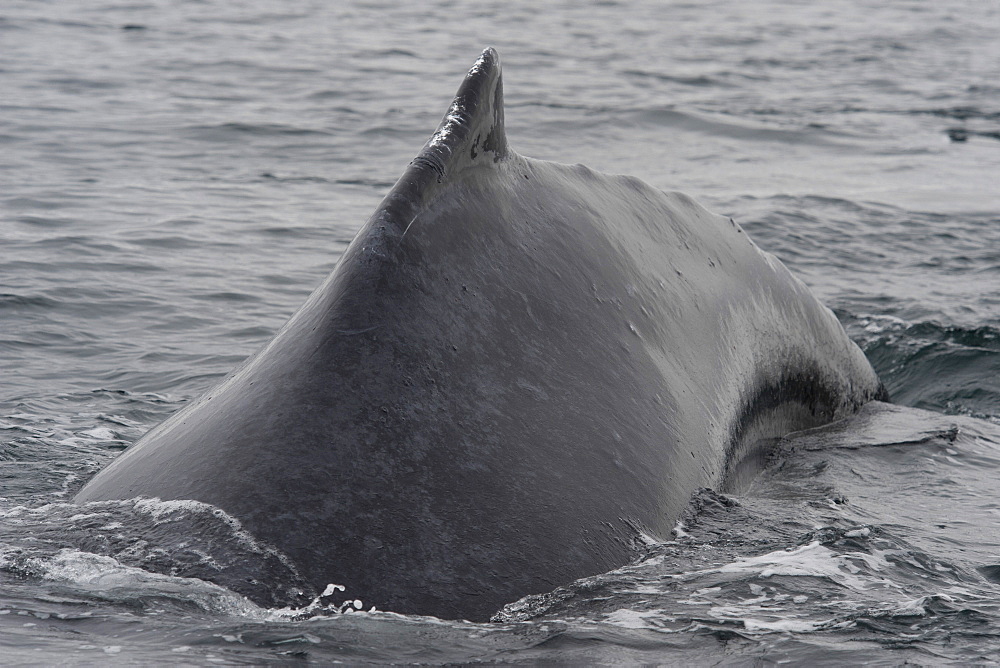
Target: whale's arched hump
(517,372)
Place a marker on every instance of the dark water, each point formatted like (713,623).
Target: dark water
(176,177)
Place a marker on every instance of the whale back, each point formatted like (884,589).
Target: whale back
(517,373)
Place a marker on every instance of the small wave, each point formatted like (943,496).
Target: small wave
(718,127)
(694,80)
(370,183)
(22,203)
(985,338)
(116,579)
(292,179)
(388,131)
(761,570)
(81,85)
(961,134)
(811,560)
(178,539)
(228,296)
(15,301)
(386,53)
(232,131)
(140,397)
(105,578)
(933,366)
(253,66)
(960,113)
(166,242)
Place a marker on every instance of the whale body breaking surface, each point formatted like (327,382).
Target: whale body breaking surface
(518,373)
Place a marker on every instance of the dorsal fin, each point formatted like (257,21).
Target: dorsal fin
(471,134)
(472,131)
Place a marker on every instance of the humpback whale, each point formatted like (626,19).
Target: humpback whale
(516,375)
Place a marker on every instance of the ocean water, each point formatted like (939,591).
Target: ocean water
(176,177)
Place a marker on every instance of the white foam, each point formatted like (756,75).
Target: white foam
(781,625)
(161,510)
(107,577)
(635,619)
(317,608)
(100,433)
(812,560)
(35,512)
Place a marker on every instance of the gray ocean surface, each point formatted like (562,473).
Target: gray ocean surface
(176,178)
